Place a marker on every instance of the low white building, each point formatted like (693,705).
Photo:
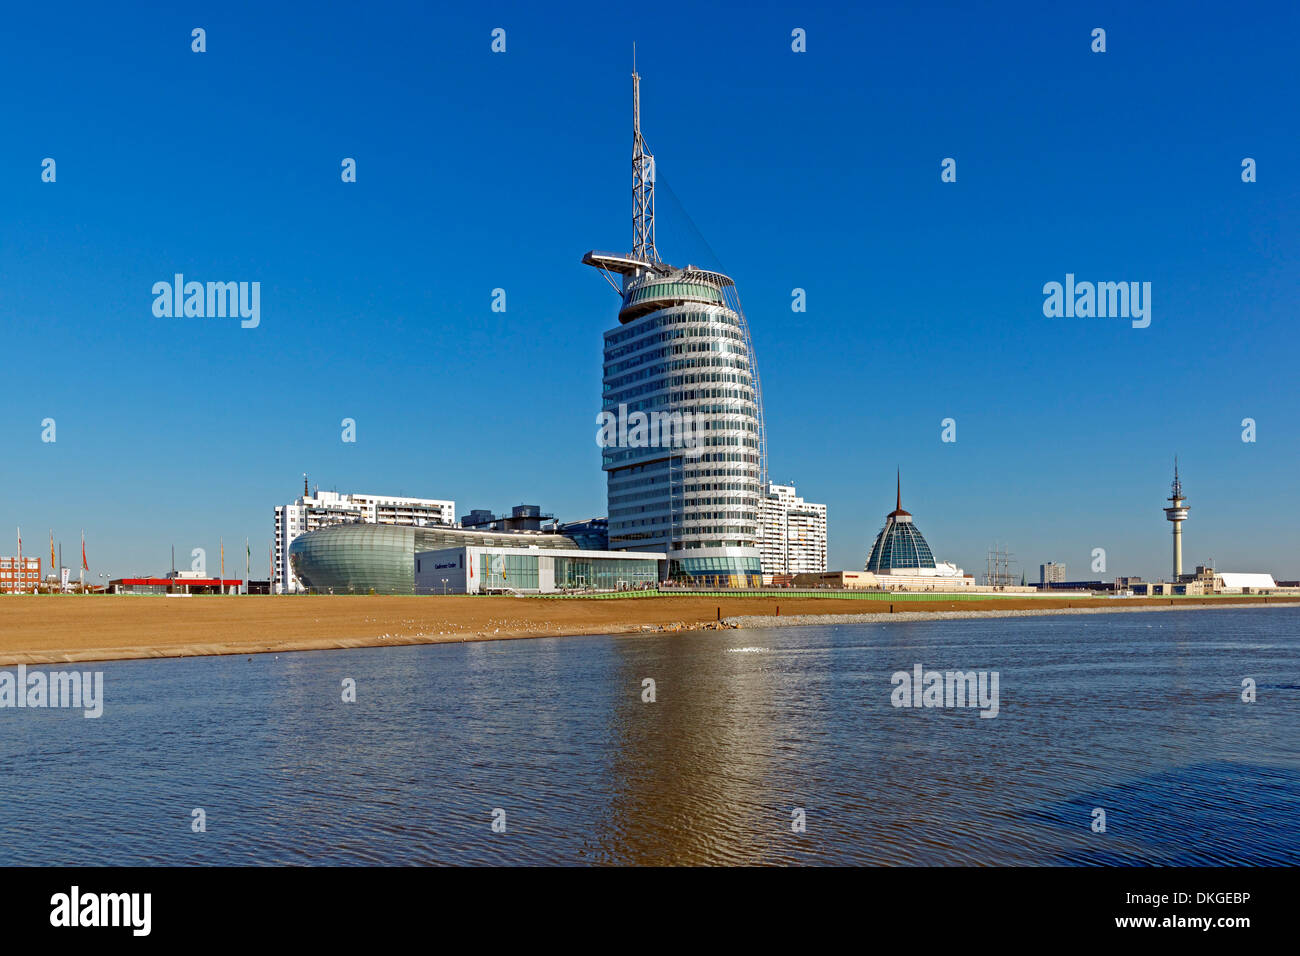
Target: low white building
(512,570)
(324,508)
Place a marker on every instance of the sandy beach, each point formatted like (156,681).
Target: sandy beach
(54,629)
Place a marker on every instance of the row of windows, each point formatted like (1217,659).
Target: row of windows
(738,408)
(623,518)
(681,528)
(719,542)
(721,361)
(605,573)
(683,395)
(659,493)
(702,327)
(672,290)
(696,565)
(643,351)
(668,423)
(667,318)
(713,346)
(611,459)
(517,571)
(677,381)
(655,473)
(727,456)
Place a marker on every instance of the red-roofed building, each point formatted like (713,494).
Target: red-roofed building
(175,585)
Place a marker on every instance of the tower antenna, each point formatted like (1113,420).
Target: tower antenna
(643,180)
(1177,513)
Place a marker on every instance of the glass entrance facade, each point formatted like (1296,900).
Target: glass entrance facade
(604,574)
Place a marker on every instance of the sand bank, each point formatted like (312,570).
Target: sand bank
(56,628)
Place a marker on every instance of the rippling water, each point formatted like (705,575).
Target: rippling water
(1137,714)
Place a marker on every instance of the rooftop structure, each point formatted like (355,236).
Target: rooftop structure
(521,518)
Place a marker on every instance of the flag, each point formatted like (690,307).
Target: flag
(84,565)
(53,563)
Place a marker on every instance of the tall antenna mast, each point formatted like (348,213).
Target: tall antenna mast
(643,180)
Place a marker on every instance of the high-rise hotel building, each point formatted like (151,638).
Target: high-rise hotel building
(684,459)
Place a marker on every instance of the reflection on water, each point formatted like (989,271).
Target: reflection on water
(1137,714)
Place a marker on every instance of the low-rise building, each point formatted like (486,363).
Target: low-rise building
(16,577)
(838,580)
(311,512)
(524,570)
(178,582)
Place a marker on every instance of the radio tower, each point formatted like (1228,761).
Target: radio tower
(1177,513)
(643,181)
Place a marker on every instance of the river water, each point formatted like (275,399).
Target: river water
(761,746)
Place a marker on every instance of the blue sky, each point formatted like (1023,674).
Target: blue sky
(816,170)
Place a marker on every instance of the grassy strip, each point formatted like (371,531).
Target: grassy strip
(838,595)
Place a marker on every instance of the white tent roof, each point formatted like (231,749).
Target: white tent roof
(1242,579)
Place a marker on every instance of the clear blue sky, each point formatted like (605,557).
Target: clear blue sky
(817,170)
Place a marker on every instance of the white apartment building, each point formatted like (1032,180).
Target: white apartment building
(310,512)
(1051,573)
(791,533)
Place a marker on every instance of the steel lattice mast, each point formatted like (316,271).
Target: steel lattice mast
(643,181)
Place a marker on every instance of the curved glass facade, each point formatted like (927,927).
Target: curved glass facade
(688,362)
(718,572)
(360,558)
(899,545)
(672,290)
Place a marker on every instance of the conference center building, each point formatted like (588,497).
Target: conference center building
(365,558)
